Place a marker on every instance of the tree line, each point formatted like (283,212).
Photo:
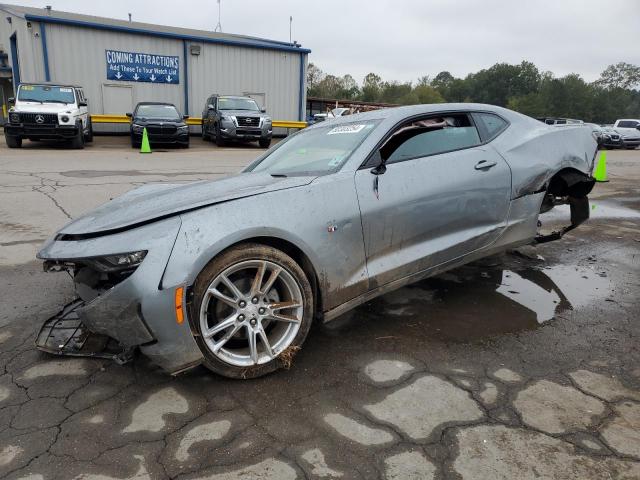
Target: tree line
(523,87)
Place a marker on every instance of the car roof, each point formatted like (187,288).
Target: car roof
(400,113)
(50,84)
(155,103)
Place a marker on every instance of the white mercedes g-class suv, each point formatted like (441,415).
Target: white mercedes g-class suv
(47,111)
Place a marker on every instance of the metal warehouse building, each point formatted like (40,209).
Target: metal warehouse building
(120,63)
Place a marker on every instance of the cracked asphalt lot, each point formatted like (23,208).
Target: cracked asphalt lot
(521,366)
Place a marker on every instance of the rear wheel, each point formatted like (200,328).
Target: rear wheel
(13,142)
(88,138)
(205,134)
(252,310)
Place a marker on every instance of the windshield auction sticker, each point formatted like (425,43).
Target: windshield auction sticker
(346,129)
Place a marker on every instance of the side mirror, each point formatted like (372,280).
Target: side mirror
(129,114)
(11,100)
(378,163)
(638,127)
(263,110)
(210,107)
(83,104)
(184,117)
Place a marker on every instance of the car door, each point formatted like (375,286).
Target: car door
(83,111)
(443,194)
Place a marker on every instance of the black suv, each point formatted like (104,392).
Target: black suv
(227,117)
(163,122)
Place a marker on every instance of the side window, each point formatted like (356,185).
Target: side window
(490,125)
(430,136)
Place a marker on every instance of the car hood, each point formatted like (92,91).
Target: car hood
(628,132)
(156,201)
(156,121)
(35,107)
(243,113)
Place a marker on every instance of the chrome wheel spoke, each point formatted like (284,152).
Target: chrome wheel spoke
(231,286)
(222,297)
(283,305)
(272,279)
(257,280)
(265,342)
(223,325)
(284,318)
(218,345)
(253,347)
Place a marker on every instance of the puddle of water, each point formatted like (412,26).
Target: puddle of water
(479,301)
(598,210)
(563,288)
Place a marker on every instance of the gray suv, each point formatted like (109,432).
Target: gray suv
(227,117)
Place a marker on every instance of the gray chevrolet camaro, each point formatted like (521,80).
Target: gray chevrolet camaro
(231,273)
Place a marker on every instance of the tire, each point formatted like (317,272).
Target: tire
(264,142)
(219,140)
(241,265)
(78,141)
(13,142)
(88,138)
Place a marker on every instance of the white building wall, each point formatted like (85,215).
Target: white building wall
(77,56)
(230,70)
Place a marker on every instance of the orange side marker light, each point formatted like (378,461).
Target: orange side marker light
(179,305)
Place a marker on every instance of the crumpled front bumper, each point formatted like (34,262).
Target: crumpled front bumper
(139,311)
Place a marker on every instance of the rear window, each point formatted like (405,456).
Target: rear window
(628,124)
(490,125)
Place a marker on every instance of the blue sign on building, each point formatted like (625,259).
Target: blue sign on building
(142,67)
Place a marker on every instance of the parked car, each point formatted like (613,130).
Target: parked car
(560,121)
(231,273)
(47,111)
(236,118)
(630,130)
(607,137)
(164,124)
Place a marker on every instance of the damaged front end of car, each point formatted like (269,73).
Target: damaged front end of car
(121,304)
(83,327)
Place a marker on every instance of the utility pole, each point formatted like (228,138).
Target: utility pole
(290,22)
(219,25)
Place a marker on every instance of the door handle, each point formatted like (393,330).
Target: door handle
(482,164)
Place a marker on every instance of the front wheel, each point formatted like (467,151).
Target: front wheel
(13,142)
(78,141)
(219,140)
(252,311)
(264,142)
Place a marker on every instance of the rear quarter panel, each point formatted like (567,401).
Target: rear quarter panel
(535,152)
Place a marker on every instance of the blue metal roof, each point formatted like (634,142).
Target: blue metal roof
(237,41)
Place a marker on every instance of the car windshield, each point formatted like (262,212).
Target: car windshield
(227,103)
(46,94)
(628,124)
(316,151)
(157,111)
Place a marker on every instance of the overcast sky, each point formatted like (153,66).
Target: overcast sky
(405,39)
